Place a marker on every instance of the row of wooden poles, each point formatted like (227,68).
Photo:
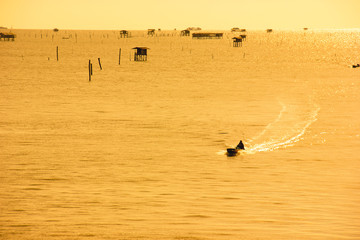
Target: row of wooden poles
(99,61)
(90,64)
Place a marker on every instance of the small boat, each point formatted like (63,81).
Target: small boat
(232,151)
(235,151)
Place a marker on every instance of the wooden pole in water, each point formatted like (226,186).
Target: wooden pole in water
(119,55)
(57,53)
(89,70)
(99,63)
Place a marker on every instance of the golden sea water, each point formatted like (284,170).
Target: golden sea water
(139,152)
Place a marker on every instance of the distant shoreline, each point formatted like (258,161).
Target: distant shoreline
(167,30)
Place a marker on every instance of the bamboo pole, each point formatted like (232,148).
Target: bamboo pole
(119,55)
(89,70)
(99,63)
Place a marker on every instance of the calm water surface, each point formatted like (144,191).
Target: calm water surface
(139,152)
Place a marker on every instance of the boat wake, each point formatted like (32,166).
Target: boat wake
(279,117)
(286,130)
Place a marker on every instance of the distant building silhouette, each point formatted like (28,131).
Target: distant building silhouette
(185,32)
(124,34)
(207,35)
(237,41)
(151,32)
(193,29)
(7,36)
(140,53)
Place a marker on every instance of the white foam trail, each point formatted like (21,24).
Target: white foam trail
(284,141)
(221,152)
(270,124)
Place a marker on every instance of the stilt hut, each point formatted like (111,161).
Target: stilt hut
(243,36)
(207,35)
(151,32)
(124,34)
(7,36)
(140,53)
(237,41)
(185,32)
(269,30)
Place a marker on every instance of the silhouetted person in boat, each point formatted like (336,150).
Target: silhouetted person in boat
(240,145)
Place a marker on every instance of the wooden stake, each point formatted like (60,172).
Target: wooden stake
(99,63)
(89,70)
(119,55)
(57,53)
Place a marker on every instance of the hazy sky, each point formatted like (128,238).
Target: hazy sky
(170,14)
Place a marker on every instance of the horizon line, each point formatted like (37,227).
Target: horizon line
(202,29)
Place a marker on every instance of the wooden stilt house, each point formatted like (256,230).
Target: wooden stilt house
(140,53)
(237,41)
(185,32)
(207,35)
(7,36)
(124,34)
(151,32)
(243,36)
